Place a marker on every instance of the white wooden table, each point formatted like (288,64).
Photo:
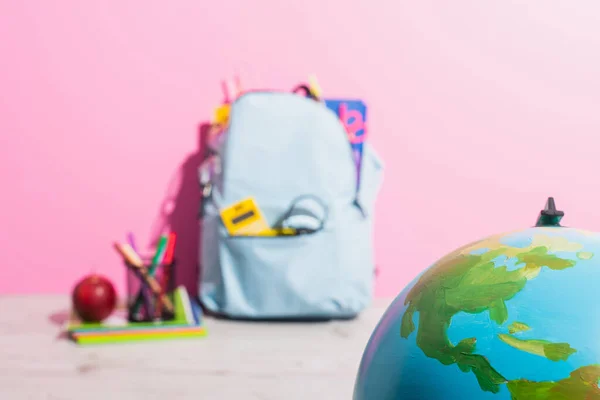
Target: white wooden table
(237,360)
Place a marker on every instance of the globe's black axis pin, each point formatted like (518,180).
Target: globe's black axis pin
(550,216)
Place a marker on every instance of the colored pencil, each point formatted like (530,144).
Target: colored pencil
(129,254)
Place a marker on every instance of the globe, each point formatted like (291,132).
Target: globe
(512,316)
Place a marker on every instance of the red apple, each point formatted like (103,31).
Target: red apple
(94,298)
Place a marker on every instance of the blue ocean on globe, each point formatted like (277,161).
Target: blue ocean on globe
(510,317)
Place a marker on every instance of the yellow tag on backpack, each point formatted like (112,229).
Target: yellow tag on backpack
(244,218)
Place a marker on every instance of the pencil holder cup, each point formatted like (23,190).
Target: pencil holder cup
(150,292)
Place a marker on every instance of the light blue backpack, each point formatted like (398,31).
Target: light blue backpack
(292,154)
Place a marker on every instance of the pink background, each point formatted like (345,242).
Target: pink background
(480,110)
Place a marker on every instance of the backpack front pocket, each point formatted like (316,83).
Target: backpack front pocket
(268,277)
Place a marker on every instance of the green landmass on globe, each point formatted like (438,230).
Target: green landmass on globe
(517,327)
(582,384)
(469,281)
(543,348)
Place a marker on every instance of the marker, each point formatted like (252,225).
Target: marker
(165,247)
(170,252)
(168,260)
(158,256)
